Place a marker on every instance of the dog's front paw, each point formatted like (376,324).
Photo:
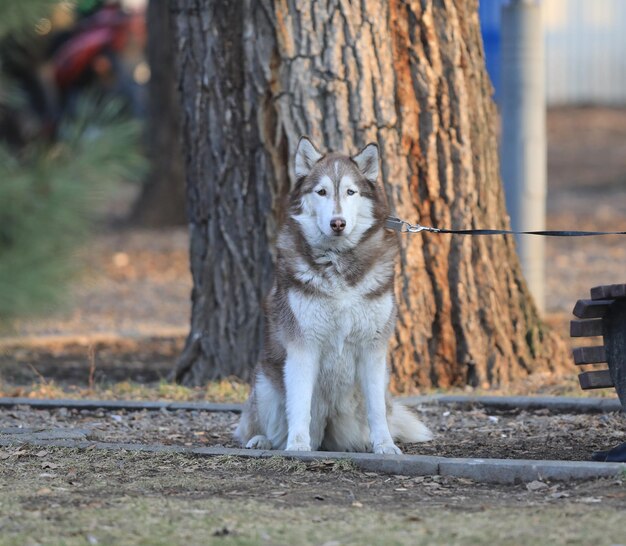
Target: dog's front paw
(259,442)
(387,448)
(298,446)
(298,441)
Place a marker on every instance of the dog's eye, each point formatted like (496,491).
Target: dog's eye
(321,192)
(351,192)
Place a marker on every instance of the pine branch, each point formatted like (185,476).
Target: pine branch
(48,198)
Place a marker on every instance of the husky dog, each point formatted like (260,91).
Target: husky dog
(322,379)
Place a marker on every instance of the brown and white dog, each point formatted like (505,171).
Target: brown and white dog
(322,379)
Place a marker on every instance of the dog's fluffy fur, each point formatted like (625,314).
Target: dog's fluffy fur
(322,379)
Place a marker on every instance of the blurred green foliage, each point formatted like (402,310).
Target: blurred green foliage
(49,189)
(16,15)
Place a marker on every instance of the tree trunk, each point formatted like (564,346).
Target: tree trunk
(408,75)
(162,199)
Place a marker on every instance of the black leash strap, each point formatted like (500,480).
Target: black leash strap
(405,227)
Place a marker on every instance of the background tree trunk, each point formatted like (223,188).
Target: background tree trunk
(408,75)
(162,199)
(230,183)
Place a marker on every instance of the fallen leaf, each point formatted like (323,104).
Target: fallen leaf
(590,500)
(559,495)
(41,453)
(536,485)
(48,464)
(44,491)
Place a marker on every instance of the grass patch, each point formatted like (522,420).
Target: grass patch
(51,518)
(161,521)
(226,391)
(537,384)
(233,390)
(276,464)
(70,497)
(344,466)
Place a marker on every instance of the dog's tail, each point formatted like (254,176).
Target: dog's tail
(405,426)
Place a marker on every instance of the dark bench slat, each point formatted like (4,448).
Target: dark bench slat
(591,308)
(608,291)
(600,379)
(586,327)
(614,324)
(589,355)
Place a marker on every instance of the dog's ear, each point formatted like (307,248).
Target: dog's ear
(367,160)
(307,155)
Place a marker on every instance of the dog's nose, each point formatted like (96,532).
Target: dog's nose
(338,224)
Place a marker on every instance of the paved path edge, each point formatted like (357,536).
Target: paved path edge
(561,404)
(480,470)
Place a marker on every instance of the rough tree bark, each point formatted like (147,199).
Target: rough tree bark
(409,75)
(162,199)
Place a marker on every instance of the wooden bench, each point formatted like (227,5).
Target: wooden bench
(603,315)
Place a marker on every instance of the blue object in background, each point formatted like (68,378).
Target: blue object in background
(489,15)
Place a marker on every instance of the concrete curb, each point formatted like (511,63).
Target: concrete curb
(479,470)
(561,404)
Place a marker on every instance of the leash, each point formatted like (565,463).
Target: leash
(405,227)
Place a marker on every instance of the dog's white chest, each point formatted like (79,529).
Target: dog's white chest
(339,330)
(333,321)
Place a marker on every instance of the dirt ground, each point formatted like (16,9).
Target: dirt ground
(59,496)
(458,432)
(128,315)
(70,497)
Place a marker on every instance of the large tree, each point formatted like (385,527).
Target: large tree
(254,76)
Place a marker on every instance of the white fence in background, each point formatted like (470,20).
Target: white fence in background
(585,49)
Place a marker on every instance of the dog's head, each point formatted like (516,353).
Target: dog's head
(335,195)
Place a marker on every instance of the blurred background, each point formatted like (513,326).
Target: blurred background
(93,243)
